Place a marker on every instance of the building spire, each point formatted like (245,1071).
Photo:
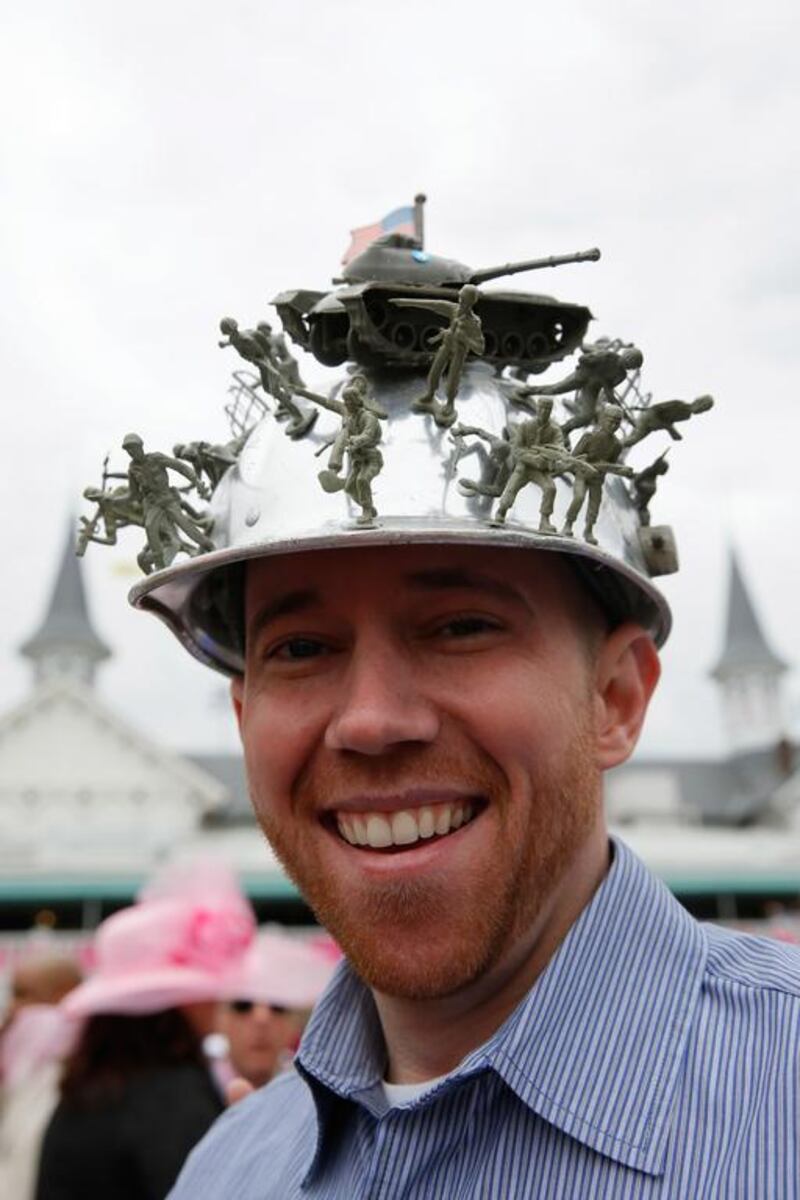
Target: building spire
(65,644)
(749,675)
(745,648)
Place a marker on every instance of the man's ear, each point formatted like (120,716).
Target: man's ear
(627,671)
(237,698)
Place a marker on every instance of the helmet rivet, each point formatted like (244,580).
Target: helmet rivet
(252,516)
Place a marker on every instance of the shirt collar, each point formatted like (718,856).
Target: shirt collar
(596,1046)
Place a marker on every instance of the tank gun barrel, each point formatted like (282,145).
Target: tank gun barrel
(534,264)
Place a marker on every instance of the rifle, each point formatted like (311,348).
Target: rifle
(86,534)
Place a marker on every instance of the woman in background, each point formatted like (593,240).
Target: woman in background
(136,1094)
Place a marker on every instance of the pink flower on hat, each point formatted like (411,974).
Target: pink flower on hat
(214,937)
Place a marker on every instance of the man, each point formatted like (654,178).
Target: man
(427,708)
(41,979)
(278,983)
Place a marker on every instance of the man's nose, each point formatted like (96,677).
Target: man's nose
(382,704)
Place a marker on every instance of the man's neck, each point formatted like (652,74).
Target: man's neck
(426,1039)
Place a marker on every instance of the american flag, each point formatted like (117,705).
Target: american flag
(399,220)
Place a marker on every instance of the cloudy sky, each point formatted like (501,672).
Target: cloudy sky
(162,164)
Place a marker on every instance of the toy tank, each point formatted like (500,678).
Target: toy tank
(358,323)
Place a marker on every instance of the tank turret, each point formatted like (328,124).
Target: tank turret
(357,322)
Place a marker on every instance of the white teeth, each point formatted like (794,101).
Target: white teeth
(442,819)
(346,830)
(426,822)
(379,832)
(360,830)
(402,828)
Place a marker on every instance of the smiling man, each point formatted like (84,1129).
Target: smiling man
(427,704)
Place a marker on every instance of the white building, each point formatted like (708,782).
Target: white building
(88,805)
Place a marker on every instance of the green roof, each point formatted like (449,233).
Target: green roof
(50,889)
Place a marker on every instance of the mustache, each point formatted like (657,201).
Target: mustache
(329,777)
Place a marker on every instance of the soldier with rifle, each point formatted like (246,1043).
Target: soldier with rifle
(537,454)
(599,450)
(164,510)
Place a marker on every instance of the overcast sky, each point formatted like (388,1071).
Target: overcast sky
(163,164)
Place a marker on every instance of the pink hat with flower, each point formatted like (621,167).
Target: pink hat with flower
(292,972)
(177,945)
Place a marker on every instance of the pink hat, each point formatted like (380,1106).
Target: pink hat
(277,969)
(175,946)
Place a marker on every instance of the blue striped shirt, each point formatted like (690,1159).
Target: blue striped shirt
(654,1057)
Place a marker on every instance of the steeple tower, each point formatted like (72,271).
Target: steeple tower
(749,673)
(65,645)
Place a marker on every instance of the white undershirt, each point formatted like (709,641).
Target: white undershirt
(403,1093)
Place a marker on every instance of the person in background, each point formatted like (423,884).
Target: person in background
(45,978)
(136,1093)
(270,999)
(33,1040)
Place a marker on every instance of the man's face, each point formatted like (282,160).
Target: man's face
(259,1035)
(437,702)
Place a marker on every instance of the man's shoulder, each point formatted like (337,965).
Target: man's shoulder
(276,1124)
(759,965)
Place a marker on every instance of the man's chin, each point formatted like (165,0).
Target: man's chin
(425,977)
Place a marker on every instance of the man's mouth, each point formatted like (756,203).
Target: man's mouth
(406,826)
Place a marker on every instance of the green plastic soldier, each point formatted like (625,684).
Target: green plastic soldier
(358,440)
(537,454)
(256,348)
(164,510)
(598,451)
(664,416)
(601,368)
(463,336)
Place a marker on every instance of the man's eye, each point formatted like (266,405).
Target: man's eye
(295,649)
(460,627)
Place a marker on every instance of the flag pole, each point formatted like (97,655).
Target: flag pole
(419,218)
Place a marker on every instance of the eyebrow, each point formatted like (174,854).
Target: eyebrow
(282,606)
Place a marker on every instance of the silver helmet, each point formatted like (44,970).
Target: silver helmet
(433,483)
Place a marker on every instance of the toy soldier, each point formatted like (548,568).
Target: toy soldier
(537,454)
(256,348)
(115,508)
(601,369)
(644,486)
(664,415)
(599,449)
(209,459)
(358,438)
(462,336)
(497,464)
(280,354)
(164,510)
